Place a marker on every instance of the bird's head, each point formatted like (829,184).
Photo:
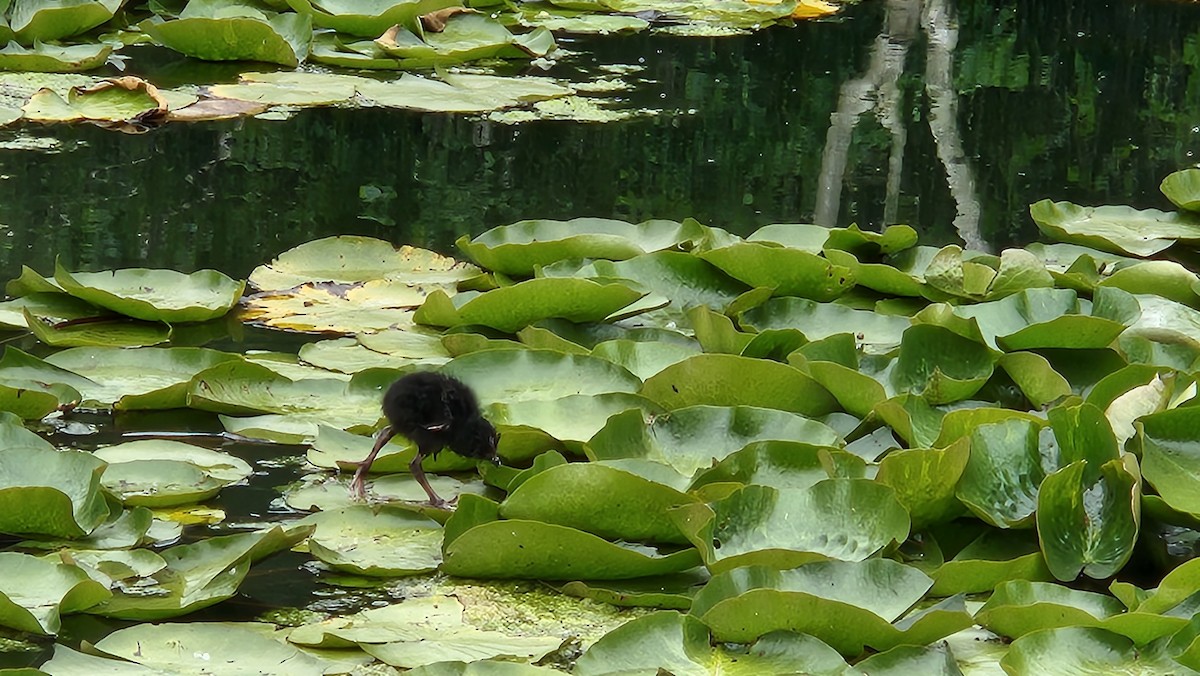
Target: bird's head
(477,439)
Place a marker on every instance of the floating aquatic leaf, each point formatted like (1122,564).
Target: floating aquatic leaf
(371,541)
(519,248)
(46,58)
(1089,525)
(207,646)
(635,508)
(529,427)
(155,295)
(1084,651)
(990,560)
(517,548)
(34,593)
(940,365)
(1118,229)
(163,473)
(925,481)
(1183,189)
(667,591)
(126,103)
(845,604)
(45,492)
(729,380)
(233,30)
(336,449)
(1001,480)
(1171,456)
(514,307)
(420,631)
(1018,608)
(690,439)
(782,464)
(348,259)
(132,379)
(369,19)
(198,575)
(679,644)
(848,519)
(790,272)
(874,332)
(36,21)
(508,375)
(465,36)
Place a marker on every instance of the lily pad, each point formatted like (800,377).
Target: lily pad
(337,449)
(511,308)
(690,439)
(378,542)
(209,646)
(1183,189)
(782,464)
(790,272)
(1118,229)
(729,380)
(465,36)
(517,548)
(233,30)
(925,481)
(940,365)
(46,58)
(679,644)
(635,509)
(133,379)
(1001,479)
(1084,651)
(34,593)
(46,492)
(1089,526)
(509,375)
(845,604)
(348,259)
(369,19)
(155,295)
(847,519)
(1171,456)
(874,332)
(518,249)
(991,559)
(36,21)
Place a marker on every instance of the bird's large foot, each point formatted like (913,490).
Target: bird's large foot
(358,488)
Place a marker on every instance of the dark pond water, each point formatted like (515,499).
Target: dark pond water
(951,116)
(944,114)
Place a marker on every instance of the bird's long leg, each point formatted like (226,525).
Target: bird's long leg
(418,473)
(357,489)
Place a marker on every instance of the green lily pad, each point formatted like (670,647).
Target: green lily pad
(1089,527)
(1171,456)
(1183,189)
(49,20)
(1001,480)
(160,483)
(511,308)
(239,387)
(643,359)
(32,388)
(529,427)
(336,449)
(198,575)
(667,591)
(348,259)
(232,30)
(790,272)
(635,509)
(690,439)
(874,332)
(1018,608)
(940,365)
(1031,372)
(684,278)
(782,464)
(847,519)
(464,37)
(109,332)
(46,492)
(845,604)
(1084,651)
(925,481)
(368,19)
(509,375)
(44,58)
(730,380)
(516,548)
(1119,229)
(679,644)
(155,295)
(378,542)
(990,560)
(421,631)
(518,249)
(1040,318)
(133,379)
(190,647)
(34,593)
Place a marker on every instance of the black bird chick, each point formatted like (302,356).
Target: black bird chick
(435,412)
